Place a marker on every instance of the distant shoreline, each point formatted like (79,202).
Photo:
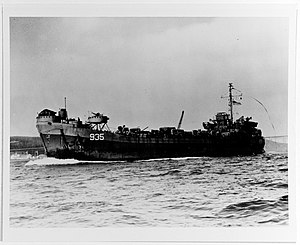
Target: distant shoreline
(30,144)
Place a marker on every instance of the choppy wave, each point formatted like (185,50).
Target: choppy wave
(259,208)
(177,192)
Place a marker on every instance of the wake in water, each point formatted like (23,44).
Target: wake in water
(51,161)
(54,161)
(168,159)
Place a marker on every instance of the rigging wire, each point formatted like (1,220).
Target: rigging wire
(264,109)
(266,112)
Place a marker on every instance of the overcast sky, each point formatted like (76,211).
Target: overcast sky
(145,71)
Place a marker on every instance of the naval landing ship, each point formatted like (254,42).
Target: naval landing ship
(65,137)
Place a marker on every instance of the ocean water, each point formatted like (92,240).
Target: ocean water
(182,192)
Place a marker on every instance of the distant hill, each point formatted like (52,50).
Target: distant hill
(23,142)
(275,146)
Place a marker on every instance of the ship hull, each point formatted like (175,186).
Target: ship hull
(65,141)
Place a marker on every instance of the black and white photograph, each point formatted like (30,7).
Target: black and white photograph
(149,122)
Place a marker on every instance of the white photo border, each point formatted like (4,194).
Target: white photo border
(285,233)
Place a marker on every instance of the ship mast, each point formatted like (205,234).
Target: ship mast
(230,102)
(180,121)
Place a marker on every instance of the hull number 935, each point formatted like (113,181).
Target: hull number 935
(97,136)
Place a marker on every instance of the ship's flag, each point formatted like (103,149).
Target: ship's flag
(236,103)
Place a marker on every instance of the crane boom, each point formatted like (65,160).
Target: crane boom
(180,121)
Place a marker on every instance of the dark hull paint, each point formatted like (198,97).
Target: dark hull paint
(119,147)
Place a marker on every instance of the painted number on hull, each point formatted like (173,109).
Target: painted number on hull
(96,136)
